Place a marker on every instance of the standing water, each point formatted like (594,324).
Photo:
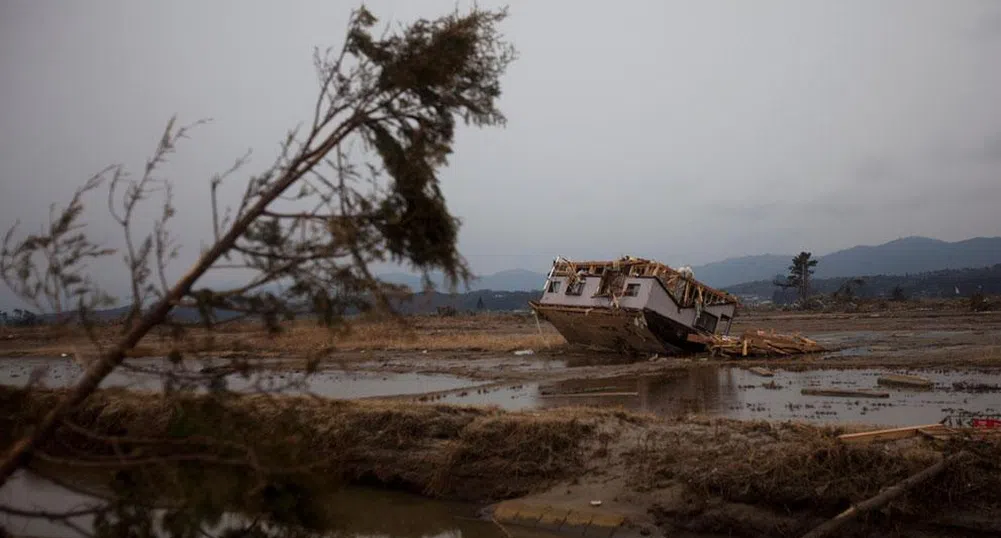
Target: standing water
(349,512)
(738,393)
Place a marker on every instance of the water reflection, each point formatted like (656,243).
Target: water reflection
(344,512)
(149,374)
(738,393)
(700,389)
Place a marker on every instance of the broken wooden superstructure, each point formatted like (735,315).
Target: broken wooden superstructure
(633,304)
(757,343)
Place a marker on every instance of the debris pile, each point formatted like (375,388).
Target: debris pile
(757,344)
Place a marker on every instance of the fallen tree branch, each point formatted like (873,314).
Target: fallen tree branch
(883,498)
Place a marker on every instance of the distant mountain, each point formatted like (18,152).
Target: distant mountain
(511,280)
(744,269)
(911,255)
(419,303)
(899,257)
(497,301)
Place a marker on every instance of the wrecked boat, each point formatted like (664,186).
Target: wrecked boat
(633,305)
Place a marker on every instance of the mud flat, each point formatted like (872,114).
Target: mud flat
(151,374)
(346,511)
(735,392)
(659,476)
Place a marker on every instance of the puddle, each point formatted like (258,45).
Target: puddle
(737,393)
(147,374)
(351,512)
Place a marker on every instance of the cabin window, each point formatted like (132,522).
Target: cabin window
(632,290)
(706,322)
(724,321)
(554,286)
(577,288)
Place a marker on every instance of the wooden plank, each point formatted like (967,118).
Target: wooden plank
(588,394)
(938,433)
(900,380)
(887,495)
(891,434)
(845,393)
(763,372)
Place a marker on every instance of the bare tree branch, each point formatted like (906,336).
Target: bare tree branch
(395,101)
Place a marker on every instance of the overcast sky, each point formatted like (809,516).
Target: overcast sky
(683,131)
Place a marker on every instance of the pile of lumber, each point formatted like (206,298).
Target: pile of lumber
(757,344)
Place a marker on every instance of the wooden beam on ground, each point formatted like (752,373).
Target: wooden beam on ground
(588,394)
(900,380)
(891,434)
(831,526)
(763,372)
(846,393)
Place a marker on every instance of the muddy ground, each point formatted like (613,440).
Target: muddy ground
(674,460)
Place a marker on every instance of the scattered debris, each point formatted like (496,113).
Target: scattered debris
(966,386)
(845,393)
(971,426)
(757,344)
(892,434)
(901,380)
(763,372)
(974,421)
(605,388)
(587,394)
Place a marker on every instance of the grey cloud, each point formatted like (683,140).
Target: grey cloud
(689,131)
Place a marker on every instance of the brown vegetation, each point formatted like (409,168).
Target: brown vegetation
(483,332)
(765,479)
(442,451)
(740,478)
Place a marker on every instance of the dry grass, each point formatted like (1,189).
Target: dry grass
(779,479)
(389,336)
(491,332)
(785,469)
(444,451)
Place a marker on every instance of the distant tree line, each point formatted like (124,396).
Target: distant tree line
(937,284)
(420,303)
(19,318)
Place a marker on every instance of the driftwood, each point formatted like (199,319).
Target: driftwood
(763,372)
(892,434)
(901,380)
(845,393)
(938,431)
(889,494)
(587,394)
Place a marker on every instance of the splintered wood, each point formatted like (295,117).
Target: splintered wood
(757,344)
